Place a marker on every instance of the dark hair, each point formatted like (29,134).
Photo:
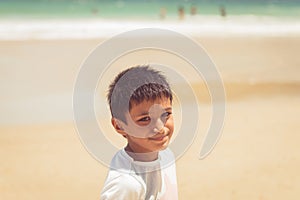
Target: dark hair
(135,85)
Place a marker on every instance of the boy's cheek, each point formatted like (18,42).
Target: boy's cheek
(135,130)
(170,123)
(132,129)
(139,132)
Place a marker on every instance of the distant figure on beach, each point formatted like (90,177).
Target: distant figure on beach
(222,11)
(193,10)
(181,12)
(95,11)
(162,13)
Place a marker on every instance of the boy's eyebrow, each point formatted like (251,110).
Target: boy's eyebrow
(168,108)
(143,113)
(147,113)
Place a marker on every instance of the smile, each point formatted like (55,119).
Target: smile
(159,138)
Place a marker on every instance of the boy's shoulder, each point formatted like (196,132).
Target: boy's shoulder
(121,183)
(122,186)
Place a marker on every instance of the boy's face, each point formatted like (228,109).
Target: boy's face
(149,125)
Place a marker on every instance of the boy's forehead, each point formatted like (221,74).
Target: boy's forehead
(146,105)
(164,101)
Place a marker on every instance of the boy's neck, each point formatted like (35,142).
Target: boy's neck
(143,157)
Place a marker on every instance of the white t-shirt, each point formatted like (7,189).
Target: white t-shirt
(134,180)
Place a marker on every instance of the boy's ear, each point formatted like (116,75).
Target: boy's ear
(117,124)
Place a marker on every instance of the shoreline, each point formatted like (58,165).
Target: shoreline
(93,28)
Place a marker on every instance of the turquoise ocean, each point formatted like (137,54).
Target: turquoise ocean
(143,9)
(62,19)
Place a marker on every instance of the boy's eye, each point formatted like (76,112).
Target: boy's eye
(166,115)
(144,119)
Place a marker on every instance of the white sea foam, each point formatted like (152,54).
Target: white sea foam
(193,26)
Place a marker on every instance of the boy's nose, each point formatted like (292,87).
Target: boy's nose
(159,126)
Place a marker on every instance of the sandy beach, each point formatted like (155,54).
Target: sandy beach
(257,157)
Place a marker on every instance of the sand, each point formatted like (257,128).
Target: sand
(257,157)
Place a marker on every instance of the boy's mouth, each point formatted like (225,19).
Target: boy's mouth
(159,137)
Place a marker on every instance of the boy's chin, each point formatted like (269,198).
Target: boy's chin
(164,146)
(160,148)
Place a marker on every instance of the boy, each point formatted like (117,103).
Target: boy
(140,101)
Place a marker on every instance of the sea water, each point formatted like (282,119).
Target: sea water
(142,9)
(61,19)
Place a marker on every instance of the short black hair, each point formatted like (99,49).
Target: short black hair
(134,85)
